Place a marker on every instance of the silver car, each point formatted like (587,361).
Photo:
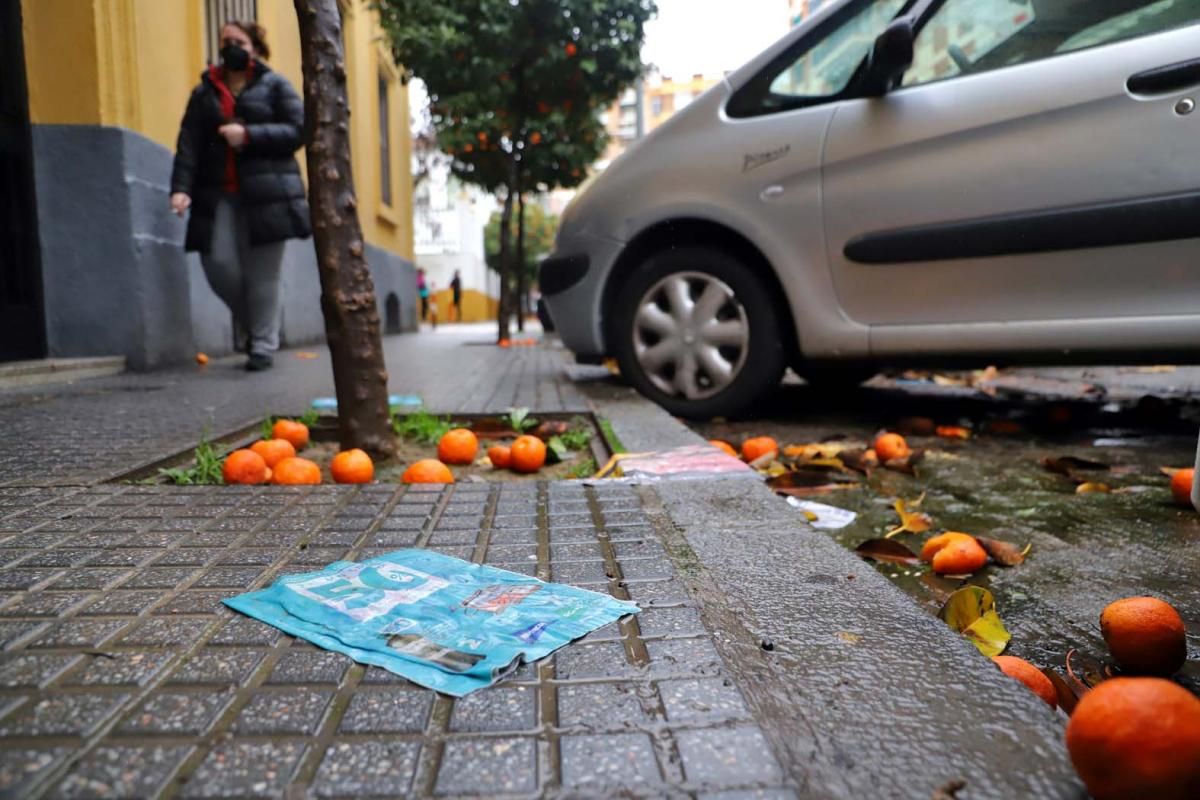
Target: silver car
(923,181)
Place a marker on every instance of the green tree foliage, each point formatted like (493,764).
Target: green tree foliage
(516,86)
(540,228)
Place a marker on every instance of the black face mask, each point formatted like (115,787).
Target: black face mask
(234,58)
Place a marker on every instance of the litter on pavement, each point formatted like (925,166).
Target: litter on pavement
(823,516)
(441,622)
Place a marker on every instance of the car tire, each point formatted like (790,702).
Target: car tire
(696,331)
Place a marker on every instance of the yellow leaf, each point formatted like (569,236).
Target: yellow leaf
(911,521)
(1091,488)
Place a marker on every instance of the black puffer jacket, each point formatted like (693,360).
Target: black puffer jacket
(269,183)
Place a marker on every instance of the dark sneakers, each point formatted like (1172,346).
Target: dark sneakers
(257,362)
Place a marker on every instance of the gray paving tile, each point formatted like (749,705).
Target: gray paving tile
(387,710)
(122,668)
(122,771)
(61,715)
(310,667)
(44,604)
(367,768)
(683,657)
(609,763)
(719,757)
(284,711)
(33,670)
(218,665)
(122,603)
(492,710)
(707,700)
(603,706)
(670,622)
(21,767)
(246,631)
(162,631)
(601,660)
(246,769)
(177,712)
(488,766)
(79,633)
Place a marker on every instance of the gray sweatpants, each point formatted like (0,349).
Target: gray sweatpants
(246,278)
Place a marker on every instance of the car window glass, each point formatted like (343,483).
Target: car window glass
(827,67)
(970,36)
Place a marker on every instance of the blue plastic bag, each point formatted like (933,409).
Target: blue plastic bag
(442,622)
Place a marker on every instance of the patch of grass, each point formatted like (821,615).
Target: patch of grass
(579,435)
(610,436)
(421,426)
(584,469)
(204,471)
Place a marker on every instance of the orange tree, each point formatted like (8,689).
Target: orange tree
(534,234)
(515,90)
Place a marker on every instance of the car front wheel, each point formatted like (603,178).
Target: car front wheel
(697,332)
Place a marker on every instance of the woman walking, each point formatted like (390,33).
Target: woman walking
(235,168)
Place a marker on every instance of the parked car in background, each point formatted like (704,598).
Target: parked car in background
(903,181)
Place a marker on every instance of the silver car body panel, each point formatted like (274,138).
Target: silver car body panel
(800,184)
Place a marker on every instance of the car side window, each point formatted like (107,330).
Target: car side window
(970,36)
(825,69)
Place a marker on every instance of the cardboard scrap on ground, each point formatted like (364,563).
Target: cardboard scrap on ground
(442,622)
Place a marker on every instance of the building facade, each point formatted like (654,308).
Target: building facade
(91,96)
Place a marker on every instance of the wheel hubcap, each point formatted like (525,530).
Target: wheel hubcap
(691,335)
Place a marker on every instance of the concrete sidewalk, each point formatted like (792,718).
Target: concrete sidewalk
(122,675)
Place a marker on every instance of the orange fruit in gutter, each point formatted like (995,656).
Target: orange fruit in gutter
(427,470)
(954,553)
(457,446)
(1021,670)
(759,446)
(201,358)
(352,466)
(296,472)
(890,445)
(528,454)
(244,466)
(1137,737)
(1181,487)
(1145,635)
(294,432)
(500,456)
(726,446)
(274,450)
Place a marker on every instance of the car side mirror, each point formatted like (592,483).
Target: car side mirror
(890,57)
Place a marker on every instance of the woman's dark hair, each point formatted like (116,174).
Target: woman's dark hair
(257,34)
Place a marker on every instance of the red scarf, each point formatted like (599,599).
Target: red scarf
(217,76)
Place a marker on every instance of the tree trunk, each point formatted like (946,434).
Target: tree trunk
(505,248)
(347,291)
(522,272)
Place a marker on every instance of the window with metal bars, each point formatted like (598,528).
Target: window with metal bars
(217,13)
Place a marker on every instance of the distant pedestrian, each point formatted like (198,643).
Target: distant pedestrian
(456,292)
(423,293)
(236,170)
(433,306)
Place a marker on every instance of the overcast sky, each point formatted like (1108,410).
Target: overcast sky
(711,36)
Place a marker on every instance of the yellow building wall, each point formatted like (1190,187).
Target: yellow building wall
(133,63)
(476,306)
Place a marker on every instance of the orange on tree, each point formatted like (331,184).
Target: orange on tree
(500,456)
(296,471)
(528,454)
(457,446)
(1145,635)
(954,553)
(352,466)
(244,466)
(1021,670)
(294,432)
(1137,737)
(273,450)
(1181,486)
(427,470)
(889,446)
(724,446)
(757,447)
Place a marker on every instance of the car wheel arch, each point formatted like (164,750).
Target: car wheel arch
(692,232)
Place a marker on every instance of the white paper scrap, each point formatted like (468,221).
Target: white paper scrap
(827,517)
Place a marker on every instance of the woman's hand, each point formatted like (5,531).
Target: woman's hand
(180,203)
(234,133)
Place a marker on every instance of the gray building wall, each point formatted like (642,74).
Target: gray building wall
(116,278)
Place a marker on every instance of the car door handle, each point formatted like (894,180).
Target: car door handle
(1169,78)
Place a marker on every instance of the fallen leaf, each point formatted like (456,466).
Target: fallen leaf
(307,355)
(1066,465)
(911,521)
(848,637)
(1084,672)
(1169,471)
(1093,488)
(815,491)
(949,790)
(1006,554)
(953,432)
(971,611)
(763,461)
(907,464)
(800,478)
(949,380)
(860,460)
(1067,698)
(1158,368)
(886,550)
